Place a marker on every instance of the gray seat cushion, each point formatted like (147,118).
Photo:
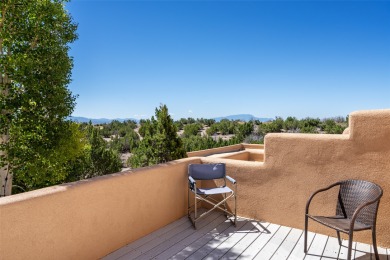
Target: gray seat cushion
(213,191)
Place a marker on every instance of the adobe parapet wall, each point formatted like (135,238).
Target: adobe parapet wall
(91,218)
(295,165)
(248,152)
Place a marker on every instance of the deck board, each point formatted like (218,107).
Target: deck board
(332,248)
(288,245)
(259,243)
(216,238)
(170,241)
(169,252)
(202,241)
(216,241)
(235,251)
(298,252)
(273,244)
(226,245)
(317,247)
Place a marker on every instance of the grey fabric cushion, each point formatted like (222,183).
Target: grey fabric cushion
(207,171)
(213,191)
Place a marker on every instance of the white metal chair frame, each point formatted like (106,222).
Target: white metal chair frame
(210,172)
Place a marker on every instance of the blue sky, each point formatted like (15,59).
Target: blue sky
(218,58)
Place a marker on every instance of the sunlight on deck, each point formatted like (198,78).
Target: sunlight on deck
(217,238)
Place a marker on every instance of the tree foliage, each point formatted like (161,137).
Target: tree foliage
(126,143)
(39,161)
(35,69)
(331,127)
(192,129)
(160,141)
(306,125)
(96,159)
(117,128)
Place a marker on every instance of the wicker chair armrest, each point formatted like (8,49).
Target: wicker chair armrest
(231,179)
(357,211)
(318,191)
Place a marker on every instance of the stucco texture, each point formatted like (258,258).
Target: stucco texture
(91,218)
(296,165)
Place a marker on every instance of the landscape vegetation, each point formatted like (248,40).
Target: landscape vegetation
(158,139)
(40,146)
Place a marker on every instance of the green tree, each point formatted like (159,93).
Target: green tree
(35,69)
(291,124)
(244,129)
(207,122)
(196,143)
(192,129)
(190,120)
(226,127)
(331,127)
(96,159)
(126,143)
(104,160)
(212,129)
(146,127)
(309,125)
(160,142)
(43,164)
(274,126)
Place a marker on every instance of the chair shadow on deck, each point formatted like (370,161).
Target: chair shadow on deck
(223,240)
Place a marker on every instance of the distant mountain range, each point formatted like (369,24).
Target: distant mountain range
(96,121)
(241,117)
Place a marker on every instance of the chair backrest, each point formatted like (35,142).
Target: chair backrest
(354,193)
(207,171)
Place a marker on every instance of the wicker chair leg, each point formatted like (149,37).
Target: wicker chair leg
(374,243)
(338,237)
(305,235)
(349,257)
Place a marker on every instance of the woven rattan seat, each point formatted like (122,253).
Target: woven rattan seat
(339,223)
(356,210)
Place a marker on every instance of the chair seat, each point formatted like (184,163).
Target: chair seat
(213,191)
(339,223)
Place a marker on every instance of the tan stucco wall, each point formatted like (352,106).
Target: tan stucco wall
(256,155)
(246,152)
(253,146)
(298,164)
(219,150)
(228,149)
(243,155)
(89,219)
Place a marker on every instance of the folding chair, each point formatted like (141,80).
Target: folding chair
(211,196)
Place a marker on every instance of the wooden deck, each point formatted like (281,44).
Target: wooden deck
(217,238)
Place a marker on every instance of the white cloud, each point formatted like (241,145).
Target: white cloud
(190,111)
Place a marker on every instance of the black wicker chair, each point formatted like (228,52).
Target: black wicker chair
(356,210)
